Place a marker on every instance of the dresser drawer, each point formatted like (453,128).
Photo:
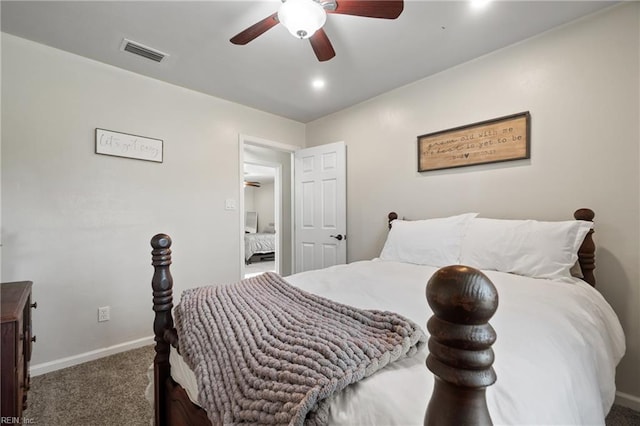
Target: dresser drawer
(15,347)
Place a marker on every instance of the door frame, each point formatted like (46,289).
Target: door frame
(276,146)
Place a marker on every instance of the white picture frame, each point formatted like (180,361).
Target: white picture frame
(126,145)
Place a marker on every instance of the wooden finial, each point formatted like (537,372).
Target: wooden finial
(587,251)
(392,216)
(463,300)
(162,284)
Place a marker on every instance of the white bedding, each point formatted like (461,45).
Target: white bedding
(557,348)
(259,243)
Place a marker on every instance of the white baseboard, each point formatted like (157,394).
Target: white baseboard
(628,401)
(58,364)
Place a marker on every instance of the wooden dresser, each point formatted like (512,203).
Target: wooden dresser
(16,346)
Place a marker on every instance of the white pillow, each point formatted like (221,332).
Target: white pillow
(524,247)
(434,242)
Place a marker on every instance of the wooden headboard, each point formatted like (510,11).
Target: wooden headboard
(586,253)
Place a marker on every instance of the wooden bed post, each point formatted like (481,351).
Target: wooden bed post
(587,251)
(162,284)
(391,217)
(463,300)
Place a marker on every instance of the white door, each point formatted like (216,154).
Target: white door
(320,207)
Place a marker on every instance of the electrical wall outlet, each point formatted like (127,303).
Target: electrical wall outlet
(104,314)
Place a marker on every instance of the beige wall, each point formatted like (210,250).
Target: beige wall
(581,85)
(79,224)
(262,201)
(249,199)
(265,205)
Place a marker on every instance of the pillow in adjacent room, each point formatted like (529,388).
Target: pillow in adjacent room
(434,242)
(524,247)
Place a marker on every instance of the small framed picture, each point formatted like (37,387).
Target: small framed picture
(129,146)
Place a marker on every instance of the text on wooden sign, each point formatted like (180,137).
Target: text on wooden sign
(500,139)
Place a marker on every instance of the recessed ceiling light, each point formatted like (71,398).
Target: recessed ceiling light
(318,83)
(479,4)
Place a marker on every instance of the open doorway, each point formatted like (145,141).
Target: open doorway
(261,196)
(267,158)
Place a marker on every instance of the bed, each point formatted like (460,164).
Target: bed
(261,243)
(558,341)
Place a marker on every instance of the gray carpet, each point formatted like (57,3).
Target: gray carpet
(622,416)
(110,391)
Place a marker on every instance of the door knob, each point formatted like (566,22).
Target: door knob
(338,237)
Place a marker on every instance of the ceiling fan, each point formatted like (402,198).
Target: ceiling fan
(305,18)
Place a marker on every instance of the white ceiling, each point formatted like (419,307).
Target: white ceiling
(274,72)
(258,173)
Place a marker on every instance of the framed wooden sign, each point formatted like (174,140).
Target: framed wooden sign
(129,146)
(501,139)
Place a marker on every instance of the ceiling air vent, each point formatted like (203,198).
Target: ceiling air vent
(142,50)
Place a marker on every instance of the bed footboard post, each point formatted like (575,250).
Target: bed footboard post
(162,284)
(587,251)
(463,300)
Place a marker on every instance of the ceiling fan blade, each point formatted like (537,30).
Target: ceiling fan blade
(255,30)
(322,46)
(386,9)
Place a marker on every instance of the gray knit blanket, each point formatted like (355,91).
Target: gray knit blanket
(265,352)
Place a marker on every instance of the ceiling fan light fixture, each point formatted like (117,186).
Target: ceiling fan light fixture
(302,17)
